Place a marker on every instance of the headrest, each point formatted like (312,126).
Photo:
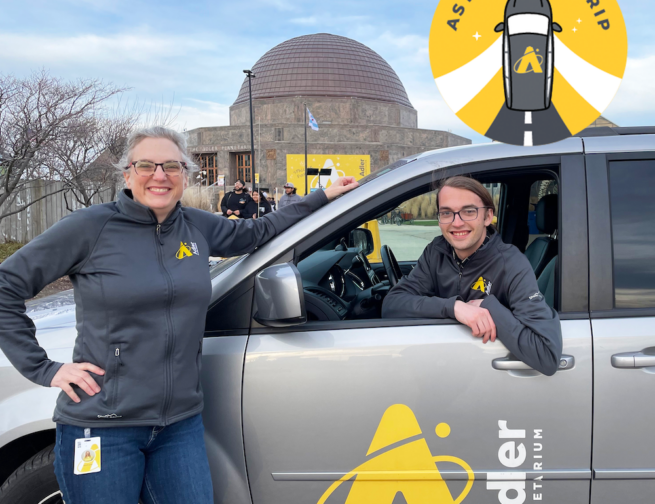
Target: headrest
(547,214)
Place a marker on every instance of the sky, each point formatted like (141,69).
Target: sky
(189,56)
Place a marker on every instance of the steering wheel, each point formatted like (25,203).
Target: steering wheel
(391,266)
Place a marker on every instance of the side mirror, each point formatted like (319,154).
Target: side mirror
(363,239)
(557,28)
(499,27)
(279,296)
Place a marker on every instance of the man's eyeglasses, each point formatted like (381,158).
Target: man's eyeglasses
(147,168)
(466,214)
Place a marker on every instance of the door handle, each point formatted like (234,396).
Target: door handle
(511,364)
(632,360)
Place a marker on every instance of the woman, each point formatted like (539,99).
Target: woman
(142,288)
(257,207)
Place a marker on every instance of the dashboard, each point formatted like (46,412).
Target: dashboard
(340,284)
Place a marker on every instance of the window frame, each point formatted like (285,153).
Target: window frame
(573,271)
(601,242)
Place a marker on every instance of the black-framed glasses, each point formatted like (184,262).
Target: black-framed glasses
(146,168)
(466,214)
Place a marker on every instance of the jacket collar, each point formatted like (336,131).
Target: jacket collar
(446,248)
(128,206)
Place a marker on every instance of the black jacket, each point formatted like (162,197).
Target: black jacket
(251,208)
(141,293)
(233,201)
(502,276)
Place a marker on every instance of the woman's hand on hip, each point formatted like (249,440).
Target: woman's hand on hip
(76,373)
(340,186)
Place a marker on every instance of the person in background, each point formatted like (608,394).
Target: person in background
(289,197)
(271,201)
(258,206)
(234,202)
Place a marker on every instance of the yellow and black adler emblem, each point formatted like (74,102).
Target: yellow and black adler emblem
(187,250)
(482,285)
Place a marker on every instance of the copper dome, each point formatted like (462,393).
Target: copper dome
(324,65)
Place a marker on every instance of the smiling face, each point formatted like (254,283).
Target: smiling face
(159,191)
(255,196)
(288,190)
(464,236)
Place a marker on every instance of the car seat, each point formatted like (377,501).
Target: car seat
(543,249)
(548,283)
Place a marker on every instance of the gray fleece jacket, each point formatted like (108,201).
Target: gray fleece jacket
(500,275)
(142,290)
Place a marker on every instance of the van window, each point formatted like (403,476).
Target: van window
(633,232)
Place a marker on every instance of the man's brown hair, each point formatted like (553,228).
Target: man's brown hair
(470,184)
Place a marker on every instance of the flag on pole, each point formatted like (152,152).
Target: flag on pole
(312,122)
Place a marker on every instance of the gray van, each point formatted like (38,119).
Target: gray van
(311,397)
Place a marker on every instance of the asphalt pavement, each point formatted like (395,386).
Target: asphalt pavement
(407,241)
(528,128)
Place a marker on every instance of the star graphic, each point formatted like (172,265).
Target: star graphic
(579,20)
(477,36)
(575,29)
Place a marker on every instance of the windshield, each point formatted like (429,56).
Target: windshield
(528,23)
(221,266)
(384,170)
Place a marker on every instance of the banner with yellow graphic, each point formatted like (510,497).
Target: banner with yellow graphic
(340,165)
(529,72)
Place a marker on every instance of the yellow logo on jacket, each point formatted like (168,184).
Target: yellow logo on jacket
(187,251)
(409,469)
(482,285)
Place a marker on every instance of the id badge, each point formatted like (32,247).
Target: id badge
(87,455)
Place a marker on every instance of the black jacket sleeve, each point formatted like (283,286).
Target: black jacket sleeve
(417,295)
(224,201)
(61,250)
(529,328)
(232,237)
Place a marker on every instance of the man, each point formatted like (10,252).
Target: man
(469,274)
(289,197)
(234,202)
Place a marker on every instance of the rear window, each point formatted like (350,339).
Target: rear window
(632,199)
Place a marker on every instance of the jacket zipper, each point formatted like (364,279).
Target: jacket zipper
(117,363)
(170,337)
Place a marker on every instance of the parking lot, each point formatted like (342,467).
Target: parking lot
(407,241)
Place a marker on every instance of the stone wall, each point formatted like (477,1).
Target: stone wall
(327,110)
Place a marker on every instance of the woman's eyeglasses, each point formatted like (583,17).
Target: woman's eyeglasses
(147,168)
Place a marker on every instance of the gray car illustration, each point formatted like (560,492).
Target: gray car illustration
(312,398)
(528,54)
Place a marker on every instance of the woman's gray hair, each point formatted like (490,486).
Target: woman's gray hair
(156,132)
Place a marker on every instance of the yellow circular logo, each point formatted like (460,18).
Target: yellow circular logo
(528,72)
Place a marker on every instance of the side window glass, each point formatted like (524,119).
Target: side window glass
(541,226)
(410,227)
(632,207)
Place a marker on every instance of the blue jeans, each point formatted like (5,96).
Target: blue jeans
(160,465)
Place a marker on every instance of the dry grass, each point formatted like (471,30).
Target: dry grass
(199,197)
(6,249)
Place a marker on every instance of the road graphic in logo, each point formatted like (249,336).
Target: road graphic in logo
(408,468)
(528,72)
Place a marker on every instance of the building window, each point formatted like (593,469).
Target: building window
(279,134)
(633,215)
(244,169)
(208,164)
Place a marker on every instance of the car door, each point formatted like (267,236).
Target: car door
(622,287)
(418,411)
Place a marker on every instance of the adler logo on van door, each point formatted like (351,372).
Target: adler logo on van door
(514,487)
(399,461)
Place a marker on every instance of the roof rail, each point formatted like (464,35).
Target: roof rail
(608,131)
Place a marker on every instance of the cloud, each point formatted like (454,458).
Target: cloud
(635,100)
(200,113)
(305,21)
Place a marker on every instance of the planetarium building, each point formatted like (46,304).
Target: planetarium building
(365,118)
